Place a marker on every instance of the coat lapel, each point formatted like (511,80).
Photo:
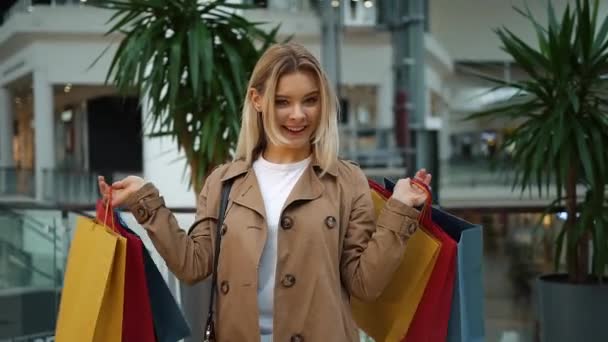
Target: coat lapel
(248,194)
(307,188)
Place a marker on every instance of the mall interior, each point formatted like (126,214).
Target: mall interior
(62,125)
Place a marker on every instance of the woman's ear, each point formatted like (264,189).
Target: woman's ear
(256,99)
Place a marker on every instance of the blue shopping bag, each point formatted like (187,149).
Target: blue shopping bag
(466,317)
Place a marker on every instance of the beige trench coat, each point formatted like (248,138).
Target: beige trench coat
(330,247)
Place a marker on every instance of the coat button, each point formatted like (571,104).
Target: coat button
(330,222)
(288,280)
(286,222)
(411,229)
(223,230)
(225,287)
(296,338)
(142,213)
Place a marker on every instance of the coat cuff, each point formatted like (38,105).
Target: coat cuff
(144,202)
(399,217)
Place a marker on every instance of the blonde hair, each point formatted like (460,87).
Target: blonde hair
(279,60)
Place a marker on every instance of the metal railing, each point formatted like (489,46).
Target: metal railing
(477,172)
(17,182)
(70,186)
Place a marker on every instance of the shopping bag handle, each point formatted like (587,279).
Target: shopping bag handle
(109,210)
(426,209)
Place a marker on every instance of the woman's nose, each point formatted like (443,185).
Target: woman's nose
(297,113)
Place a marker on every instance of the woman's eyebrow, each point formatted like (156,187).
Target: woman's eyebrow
(314,92)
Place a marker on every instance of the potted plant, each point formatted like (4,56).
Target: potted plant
(561,141)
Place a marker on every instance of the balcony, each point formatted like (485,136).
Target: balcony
(16,183)
(66,187)
(70,187)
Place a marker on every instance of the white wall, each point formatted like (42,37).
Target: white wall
(56,20)
(17,65)
(72,61)
(165,167)
(465,27)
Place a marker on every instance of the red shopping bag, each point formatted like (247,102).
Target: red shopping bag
(430,323)
(137,323)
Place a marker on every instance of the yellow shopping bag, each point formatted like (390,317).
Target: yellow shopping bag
(91,308)
(389,317)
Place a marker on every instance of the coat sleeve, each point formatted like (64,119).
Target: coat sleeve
(372,251)
(188,256)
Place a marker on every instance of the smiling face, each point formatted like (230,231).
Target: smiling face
(297,110)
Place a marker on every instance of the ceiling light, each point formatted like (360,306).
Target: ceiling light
(66,115)
(368,4)
(335,3)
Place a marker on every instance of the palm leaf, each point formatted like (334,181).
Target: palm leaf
(154,62)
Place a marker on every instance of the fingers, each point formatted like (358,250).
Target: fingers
(420,174)
(424,176)
(119,184)
(427,179)
(103,186)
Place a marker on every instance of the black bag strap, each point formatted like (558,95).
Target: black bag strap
(218,238)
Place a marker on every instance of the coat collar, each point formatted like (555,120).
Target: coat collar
(248,193)
(240,166)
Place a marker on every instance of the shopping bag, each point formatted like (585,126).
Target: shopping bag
(169,322)
(91,307)
(430,323)
(137,323)
(388,318)
(466,316)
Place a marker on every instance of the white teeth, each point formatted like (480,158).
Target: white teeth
(295,130)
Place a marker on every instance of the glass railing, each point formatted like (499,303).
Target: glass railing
(16,182)
(32,259)
(69,187)
(32,251)
(477,172)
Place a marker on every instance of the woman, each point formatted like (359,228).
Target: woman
(300,236)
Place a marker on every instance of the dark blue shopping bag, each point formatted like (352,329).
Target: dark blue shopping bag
(466,317)
(169,322)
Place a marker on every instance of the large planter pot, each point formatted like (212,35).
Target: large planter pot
(571,312)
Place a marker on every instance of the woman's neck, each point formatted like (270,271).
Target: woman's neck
(282,155)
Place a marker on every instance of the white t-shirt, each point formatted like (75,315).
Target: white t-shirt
(276,183)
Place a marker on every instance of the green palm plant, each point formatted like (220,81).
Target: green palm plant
(190,61)
(561,113)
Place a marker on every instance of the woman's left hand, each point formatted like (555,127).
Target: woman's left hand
(409,193)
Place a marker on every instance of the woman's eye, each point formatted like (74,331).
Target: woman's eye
(311,100)
(281,102)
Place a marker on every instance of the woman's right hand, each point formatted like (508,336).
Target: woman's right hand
(121,190)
